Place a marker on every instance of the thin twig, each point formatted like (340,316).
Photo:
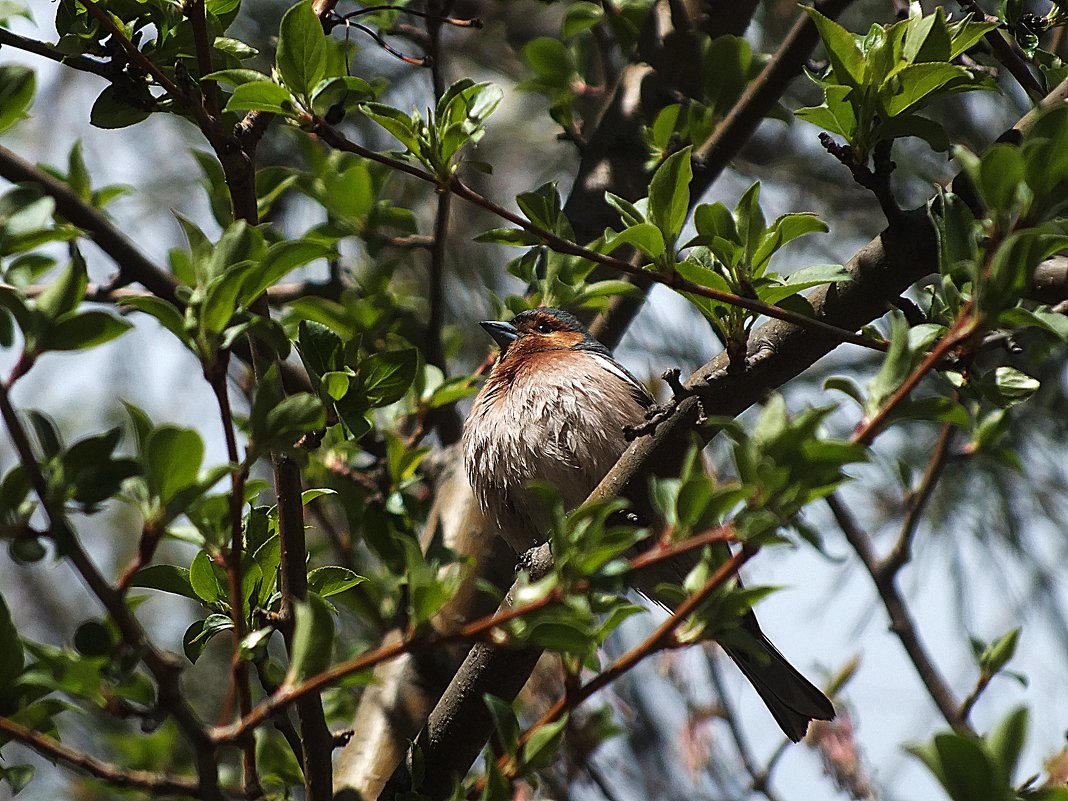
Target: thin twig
(673,280)
(662,637)
(760,779)
(216,375)
(159,784)
(82,63)
(961,330)
(901,622)
(901,553)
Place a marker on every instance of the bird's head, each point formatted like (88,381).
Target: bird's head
(539,330)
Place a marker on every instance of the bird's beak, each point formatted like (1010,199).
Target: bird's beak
(504,334)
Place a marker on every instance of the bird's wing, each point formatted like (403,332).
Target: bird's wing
(637,389)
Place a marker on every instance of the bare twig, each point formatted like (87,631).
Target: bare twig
(81,63)
(901,622)
(159,784)
(901,553)
(216,375)
(760,779)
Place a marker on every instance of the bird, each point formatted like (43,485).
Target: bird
(555,408)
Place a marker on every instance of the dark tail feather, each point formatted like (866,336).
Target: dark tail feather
(791,698)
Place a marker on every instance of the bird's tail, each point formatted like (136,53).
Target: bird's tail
(791,698)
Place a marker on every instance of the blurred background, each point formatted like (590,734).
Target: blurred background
(990,552)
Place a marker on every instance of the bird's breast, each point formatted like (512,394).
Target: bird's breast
(562,425)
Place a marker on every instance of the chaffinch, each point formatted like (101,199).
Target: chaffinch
(554,408)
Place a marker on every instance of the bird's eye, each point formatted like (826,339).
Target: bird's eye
(543,328)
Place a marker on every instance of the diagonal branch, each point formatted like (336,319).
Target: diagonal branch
(159,784)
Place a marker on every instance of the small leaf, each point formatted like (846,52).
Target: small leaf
(327,581)
(646,237)
(204,579)
(237,77)
(543,744)
(669,193)
(109,112)
(166,314)
(261,96)
(996,655)
(84,330)
(11,657)
(388,375)
(313,639)
(16,93)
(846,59)
(1007,742)
(167,578)
(66,292)
(172,460)
(301,54)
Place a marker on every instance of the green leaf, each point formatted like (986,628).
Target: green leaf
(313,639)
(166,314)
(321,350)
(996,655)
(261,96)
(504,722)
(343,91)
(927,38)
(237,77)
(198,635)
(550,59)
(281,259)
(167,578)
(646,237)
(750,220)
(579,17)
(541,748)
(846,59)
(327,581)
(387,376)
(516,237)
(784,230)
(84,330)
(1007,742)
(669,194)
(204,579)
(396,122)
(66,291)
(17,86)
(301,54)
(172,460)
(836,115)
(911,85)
(281,423)
(17,777)
(109,112)
(969,771)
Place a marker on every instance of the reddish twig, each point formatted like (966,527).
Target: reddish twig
(673,280)
(962,330)
(662,637)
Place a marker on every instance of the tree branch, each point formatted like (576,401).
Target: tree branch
(159,784)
